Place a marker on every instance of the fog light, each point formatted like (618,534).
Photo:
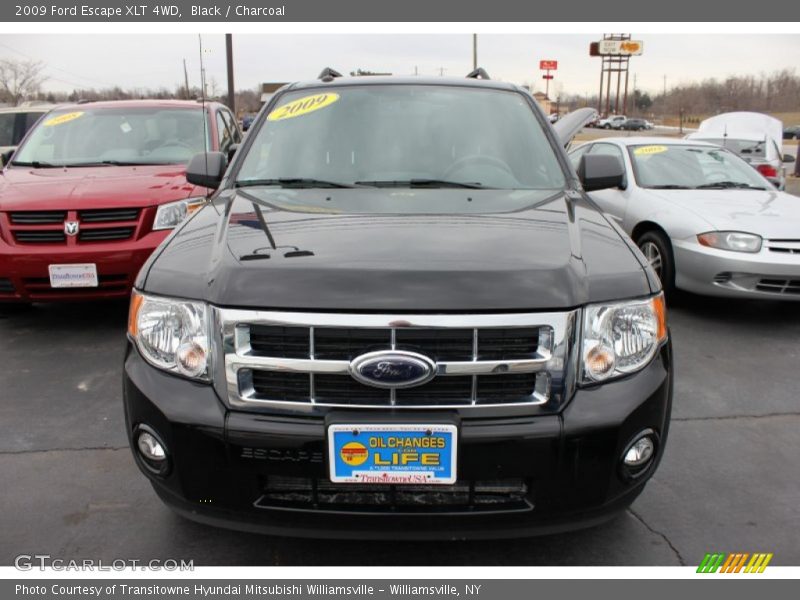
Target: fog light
(150,448)
(640,452)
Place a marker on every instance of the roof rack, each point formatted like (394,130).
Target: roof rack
(328,74)
(478,73)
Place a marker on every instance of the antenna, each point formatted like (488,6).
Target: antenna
(203,103)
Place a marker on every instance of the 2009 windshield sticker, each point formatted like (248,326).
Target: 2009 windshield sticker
(650,150)
(65,118)
(302,106)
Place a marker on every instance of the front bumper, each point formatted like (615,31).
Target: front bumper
(712,272)
(220,459)
(24,274)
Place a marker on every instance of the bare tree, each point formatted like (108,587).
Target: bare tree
(19,79)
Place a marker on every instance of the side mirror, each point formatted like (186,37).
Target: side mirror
(5,157)
(788,158)
(207,169)
(599,172)
(232,150)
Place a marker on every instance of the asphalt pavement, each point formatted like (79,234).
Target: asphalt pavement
(729,481)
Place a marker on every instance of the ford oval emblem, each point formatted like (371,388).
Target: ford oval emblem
(393,369)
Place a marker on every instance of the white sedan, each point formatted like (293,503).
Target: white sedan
(706,221)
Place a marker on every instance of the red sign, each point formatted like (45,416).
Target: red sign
(548,65)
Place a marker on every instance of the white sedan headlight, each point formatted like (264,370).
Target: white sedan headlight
(735,241)
(622,337)
(169,216)
(172,334)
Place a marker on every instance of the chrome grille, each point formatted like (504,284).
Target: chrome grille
(304,358)
(783,246)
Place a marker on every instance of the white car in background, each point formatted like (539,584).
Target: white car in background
(612,122)
(706,221)
(756,137)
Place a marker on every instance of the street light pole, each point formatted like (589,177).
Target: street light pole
(474,50)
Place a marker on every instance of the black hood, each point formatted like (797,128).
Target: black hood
(350,250)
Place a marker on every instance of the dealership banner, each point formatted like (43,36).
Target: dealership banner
(389,11)
(401,589)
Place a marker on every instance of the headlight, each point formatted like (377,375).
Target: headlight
(731,240)
(621,338)
(169,216)
(171,334)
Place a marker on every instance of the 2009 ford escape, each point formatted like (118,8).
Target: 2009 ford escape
(399,316)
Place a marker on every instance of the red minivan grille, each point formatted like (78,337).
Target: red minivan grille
(96,225)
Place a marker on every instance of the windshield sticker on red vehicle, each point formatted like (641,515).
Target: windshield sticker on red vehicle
(302,106)
(65,118)
(643,150)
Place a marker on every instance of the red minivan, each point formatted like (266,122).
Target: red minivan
(94,188)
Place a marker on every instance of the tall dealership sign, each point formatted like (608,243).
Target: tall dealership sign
(615,50)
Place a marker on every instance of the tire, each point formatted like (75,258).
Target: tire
(606,126)
(657,249)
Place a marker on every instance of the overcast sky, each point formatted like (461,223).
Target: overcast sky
(157,60)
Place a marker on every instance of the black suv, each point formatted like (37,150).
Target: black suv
(399,316)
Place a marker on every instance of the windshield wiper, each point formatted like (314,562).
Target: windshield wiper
(104,163)
(433,183)
(728,185)
(670,186)
(293,182)
(36,164)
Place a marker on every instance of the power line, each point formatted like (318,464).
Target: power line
(49,66)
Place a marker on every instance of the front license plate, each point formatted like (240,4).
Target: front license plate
(393,454)
(73,276)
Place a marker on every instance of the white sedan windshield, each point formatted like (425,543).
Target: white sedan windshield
(675,166)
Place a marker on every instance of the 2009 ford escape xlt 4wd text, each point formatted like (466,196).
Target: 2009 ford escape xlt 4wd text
(399,316)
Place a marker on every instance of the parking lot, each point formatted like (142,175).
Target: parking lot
(729,480)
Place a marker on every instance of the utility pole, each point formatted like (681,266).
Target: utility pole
(229,57)
(665,87)
(186,79)
(474,50)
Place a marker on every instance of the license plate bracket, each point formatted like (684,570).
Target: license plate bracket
(82,275)
(393,453)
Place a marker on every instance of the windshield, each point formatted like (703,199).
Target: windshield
(402,136)
(682,166)
(91,136)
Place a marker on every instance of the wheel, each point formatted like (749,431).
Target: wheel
(606,126)
(657,250)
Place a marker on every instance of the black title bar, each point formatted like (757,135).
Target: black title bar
(618,11)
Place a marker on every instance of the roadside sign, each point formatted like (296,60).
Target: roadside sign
(548,65)
(547,76)
(620,47)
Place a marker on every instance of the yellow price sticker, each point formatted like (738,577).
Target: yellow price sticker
(65,118)
(302,106)
(644,150)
